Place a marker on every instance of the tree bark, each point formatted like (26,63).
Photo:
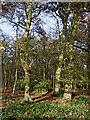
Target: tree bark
(63,41)
(5,79)
(43,73)
(15,81)
(25,66)
(61,57)
(16,73)
(88,45)
(27,87)
(68,86)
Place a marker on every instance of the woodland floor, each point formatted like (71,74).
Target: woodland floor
(36,97)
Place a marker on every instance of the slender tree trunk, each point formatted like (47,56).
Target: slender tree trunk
(44,64)
(15,81)
(53,82)
(5,79)
(43,74)
(88,45)
(0,79)
(16,73)
(75,87)
(52,79)
(87,85)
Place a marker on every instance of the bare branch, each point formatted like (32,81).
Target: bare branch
(12,21)
(81,48)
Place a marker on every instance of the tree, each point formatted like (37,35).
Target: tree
(26,67)
(24,12)
(17,61)
(68,13)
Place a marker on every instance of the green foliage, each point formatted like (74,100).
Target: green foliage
(20,84)
(25,110)
(37,85)
(41,86)
(4,97)
(73,94)
(59,94)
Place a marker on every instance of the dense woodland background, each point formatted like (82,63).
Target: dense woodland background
(46,58)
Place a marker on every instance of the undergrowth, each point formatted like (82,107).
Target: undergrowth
(76,109)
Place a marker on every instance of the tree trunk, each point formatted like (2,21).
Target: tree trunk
(61,57)
(88,45)
(58,73)
(0,66)
(75,86)
(16,73)
(53,82)
(5,79)
(25,66)
(1,48)
(43,74)
(52,79)
(27,88)
(28,20)
(68,86)
(15,82)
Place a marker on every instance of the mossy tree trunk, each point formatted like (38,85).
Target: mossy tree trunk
(27,86)
(24,60)
(16,77)
(62,44)
(16,52)
(68,85)
(26,68)
(61,57)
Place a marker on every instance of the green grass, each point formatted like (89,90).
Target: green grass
(47,110)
